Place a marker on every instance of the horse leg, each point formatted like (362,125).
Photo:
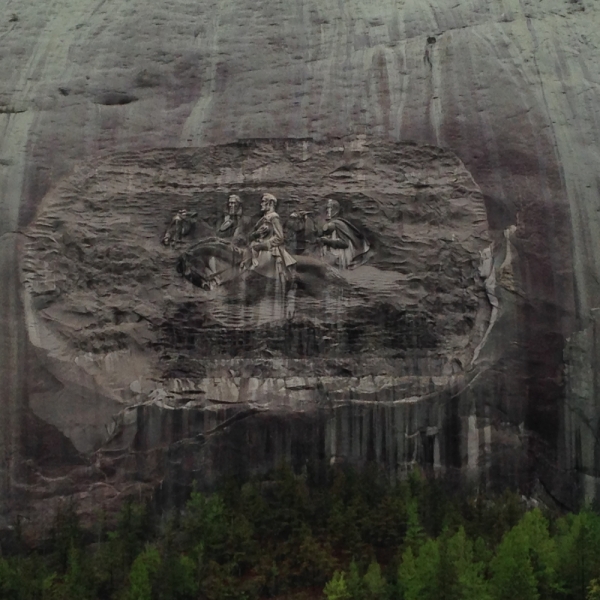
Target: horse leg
(214,280)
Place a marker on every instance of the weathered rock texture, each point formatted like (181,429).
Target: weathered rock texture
(512,88)
(125,343)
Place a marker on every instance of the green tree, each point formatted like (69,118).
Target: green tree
(176,576)
(65,534)
(409,585)
(142,574)
(418,578)
(374,584)
(290,504)
(467,581)
(219,583)
(578,548)
(309,562)
(355,582)
(76,583)
(490,518)
(27,578)
(9,581)
(447,576)
(428,569)
(336,588)
(345,526)
(543,553)
(512,572)
(205,523)
(415,534)
(593,590)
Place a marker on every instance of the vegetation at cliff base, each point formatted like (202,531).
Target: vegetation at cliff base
(340,536)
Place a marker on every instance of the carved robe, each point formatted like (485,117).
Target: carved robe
(345,245)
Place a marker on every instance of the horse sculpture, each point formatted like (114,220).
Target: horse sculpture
(214,262)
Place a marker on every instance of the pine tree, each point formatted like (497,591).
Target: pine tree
(415,535)
(418,577)
(65,534)
(578,548)
(428,570)
(542,551)
(374,583)
(76,581)
(468,582)
(473,585)
(205,521)
(336,588)
(409,585)
(9,580)
(512,573)
(447,576)
(141,574)
(355,583)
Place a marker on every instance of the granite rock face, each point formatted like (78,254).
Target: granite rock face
(510,88)
(139,359)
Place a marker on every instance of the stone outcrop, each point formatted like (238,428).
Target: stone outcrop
(120,332)
(510,88)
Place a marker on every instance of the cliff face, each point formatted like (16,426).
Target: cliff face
(154,338)
(510,88)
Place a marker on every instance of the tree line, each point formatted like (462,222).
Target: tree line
(342,535)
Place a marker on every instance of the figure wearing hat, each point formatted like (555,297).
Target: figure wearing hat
(235,226)
(343,245)
(181,225)
(268,254)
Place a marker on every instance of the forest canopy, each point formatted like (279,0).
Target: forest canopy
(343,535)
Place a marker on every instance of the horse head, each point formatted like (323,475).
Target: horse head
(192,269)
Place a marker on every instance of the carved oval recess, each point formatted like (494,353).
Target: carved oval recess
(383,298)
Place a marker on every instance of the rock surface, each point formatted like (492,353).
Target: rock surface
(120,331)
(512,88)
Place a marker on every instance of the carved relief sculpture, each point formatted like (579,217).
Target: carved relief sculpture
(343,245)
(234,226)
(300,231)
(181,225)
(268,254)
(382,313)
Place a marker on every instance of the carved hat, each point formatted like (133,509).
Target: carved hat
(235,198)
(334,205)
(270,198)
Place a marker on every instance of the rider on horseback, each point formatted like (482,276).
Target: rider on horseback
(235,226)
(268,255)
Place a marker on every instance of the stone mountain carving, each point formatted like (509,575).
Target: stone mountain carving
(313,294)
(514,92)
(213,262)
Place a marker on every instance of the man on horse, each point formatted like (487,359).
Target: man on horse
(181,225)
(268,255)
(235,226)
